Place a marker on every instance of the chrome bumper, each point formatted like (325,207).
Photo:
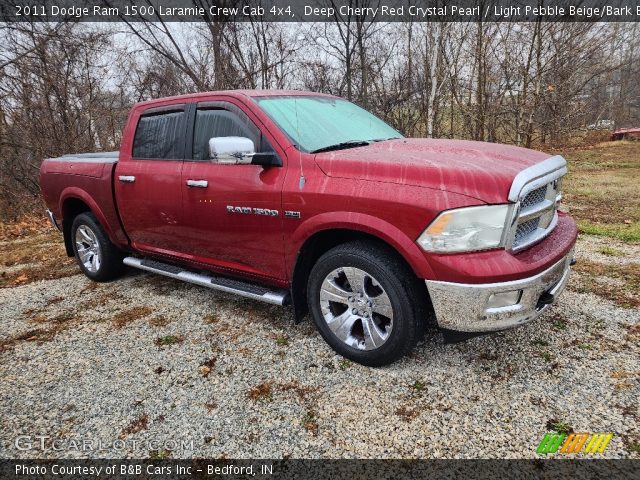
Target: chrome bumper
(52,219)
(464,307)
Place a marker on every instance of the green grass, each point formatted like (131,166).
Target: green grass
(611,252)
(620,231)
(344,364)
(546,356)
(601,189)
(560,324)
(418,386)
(559,426)
(168,340)
(159,454)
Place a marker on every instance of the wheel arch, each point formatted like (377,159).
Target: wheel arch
(311,243)
(73,202)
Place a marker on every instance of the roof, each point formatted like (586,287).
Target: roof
(234,93)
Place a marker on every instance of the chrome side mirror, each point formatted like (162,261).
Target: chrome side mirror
(231,150)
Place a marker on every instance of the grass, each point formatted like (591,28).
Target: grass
(611,252)
(282,340)
(344,364)
(619,231)
(559,323)
(168,340)
(624,290)
(419,386)
(559,426)
(602,190)
(546,356)
(159,454)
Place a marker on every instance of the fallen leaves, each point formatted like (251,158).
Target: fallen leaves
(262,391)
(31,224)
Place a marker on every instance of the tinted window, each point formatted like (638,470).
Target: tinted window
(219,123)
(159,136)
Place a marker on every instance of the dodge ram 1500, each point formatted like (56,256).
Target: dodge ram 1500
(304,198)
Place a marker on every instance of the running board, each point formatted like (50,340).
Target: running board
(229,285)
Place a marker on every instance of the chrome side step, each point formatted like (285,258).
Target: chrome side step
(229,285)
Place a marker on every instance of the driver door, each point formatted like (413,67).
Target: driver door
(223,204)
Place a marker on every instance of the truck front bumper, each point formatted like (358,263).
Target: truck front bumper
(496,306)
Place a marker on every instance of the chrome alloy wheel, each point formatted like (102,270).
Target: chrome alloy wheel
(356,308)
(88,248)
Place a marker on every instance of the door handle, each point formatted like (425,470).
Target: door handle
(197,183)
(127,178)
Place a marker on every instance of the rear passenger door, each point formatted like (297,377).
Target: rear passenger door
(148,181)
(219,235)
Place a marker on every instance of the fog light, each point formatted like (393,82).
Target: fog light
(504,299)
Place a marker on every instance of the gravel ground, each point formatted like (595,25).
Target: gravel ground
(149,367)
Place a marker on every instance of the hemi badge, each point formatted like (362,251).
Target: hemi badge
(291,214)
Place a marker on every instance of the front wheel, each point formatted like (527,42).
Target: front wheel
(366,303)
(98,258)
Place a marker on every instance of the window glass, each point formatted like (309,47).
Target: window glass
(313,123)
(219,123)
(159,136)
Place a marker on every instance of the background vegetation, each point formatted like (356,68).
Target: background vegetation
(67,87)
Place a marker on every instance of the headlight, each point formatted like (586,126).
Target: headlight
(466,229)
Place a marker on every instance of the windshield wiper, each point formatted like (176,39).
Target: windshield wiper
(341,145)
(385,139)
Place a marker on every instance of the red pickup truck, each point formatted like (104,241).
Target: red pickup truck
(304,198)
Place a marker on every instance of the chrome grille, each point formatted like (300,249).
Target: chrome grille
(525,229)
(535,197)
(537,191)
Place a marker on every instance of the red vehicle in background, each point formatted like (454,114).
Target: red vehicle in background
(303,198)
(625,133)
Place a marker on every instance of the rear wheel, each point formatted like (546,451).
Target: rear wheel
(98,258)
(366,303)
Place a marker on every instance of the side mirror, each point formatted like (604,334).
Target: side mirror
(240,151)
(231,150)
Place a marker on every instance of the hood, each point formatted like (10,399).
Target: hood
(480,170)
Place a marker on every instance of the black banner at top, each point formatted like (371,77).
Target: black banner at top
(320,10)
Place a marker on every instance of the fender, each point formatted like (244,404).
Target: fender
(369,224)
(116,236)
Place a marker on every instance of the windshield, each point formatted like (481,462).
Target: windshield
(316,123)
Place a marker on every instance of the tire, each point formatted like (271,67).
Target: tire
(98,258)
(378,321)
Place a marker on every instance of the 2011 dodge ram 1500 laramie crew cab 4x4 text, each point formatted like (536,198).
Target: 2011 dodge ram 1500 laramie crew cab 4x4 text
(305,198)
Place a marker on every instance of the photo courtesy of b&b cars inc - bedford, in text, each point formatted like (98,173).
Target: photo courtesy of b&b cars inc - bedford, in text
(345,239)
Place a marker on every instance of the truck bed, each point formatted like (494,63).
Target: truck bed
(100,157)
(84,176)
